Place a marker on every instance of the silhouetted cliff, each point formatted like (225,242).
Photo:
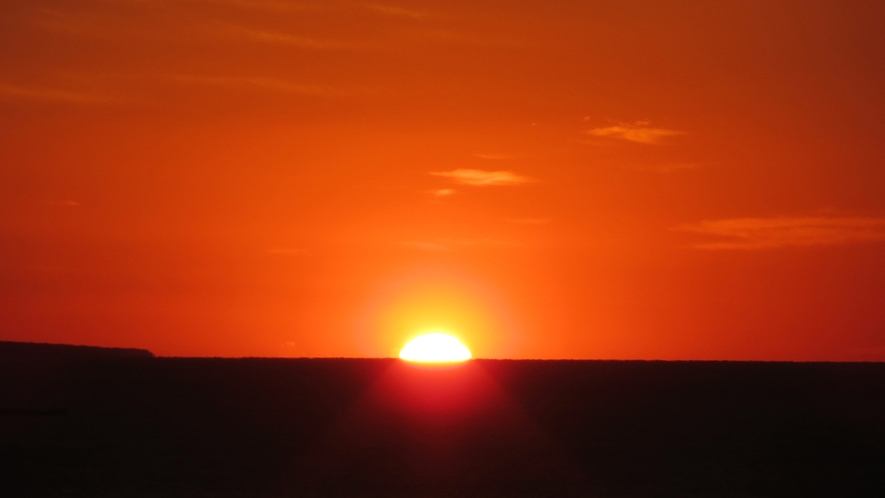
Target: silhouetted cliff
(22,351)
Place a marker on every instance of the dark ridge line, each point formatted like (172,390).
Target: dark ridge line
(52,349)
(525,360)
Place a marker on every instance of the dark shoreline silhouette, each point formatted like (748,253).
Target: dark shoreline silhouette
(94,422)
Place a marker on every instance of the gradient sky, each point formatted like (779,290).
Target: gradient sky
(570,179)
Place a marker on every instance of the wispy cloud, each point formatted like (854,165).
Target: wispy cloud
(428,246)
(395,11)
(273,84)
(639,132)
(109,26)
(103,25)
(340,6)
(65,204)
(456,244)
(75,23)
(482,178)
(442,192)
(137,88)
(528,221)
(458,37)
(270,5)
(286,251)
(669,167)
(9,92)
(235,82)
(279,38)
(492,157)
(772,233)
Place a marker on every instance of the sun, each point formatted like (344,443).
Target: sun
(435,347)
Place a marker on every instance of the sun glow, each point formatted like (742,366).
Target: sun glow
(435,347)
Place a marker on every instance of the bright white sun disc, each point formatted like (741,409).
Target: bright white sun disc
(435,347)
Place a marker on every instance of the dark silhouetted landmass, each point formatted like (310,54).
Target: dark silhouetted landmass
(33,376)
(133,425)
(34,351)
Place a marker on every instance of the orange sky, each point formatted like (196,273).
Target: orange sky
(605,179)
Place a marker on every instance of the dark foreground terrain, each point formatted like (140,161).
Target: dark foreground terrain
(92,422)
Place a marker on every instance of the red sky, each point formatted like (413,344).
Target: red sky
(606,179)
